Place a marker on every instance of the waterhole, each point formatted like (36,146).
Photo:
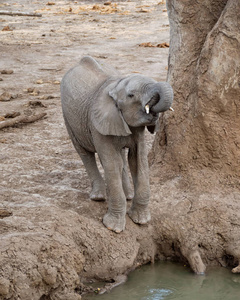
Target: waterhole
(171,281)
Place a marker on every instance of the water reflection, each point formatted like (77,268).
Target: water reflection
(169,281)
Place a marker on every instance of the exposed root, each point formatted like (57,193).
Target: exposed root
(196,262)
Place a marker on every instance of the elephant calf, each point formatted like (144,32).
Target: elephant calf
(105,112)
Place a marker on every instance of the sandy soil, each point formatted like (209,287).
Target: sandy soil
(39,163)
(52,238)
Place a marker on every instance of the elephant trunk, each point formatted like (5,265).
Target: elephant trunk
(161,97)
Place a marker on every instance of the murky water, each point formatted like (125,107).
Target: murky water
(169,281)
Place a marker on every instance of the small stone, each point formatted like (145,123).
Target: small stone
(39,81)
(30,90)
(5,96)
(36,103)
(4,286)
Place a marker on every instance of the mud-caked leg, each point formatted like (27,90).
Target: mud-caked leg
(139,211)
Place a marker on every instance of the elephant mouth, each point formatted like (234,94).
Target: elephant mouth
(152,102)
(152,119)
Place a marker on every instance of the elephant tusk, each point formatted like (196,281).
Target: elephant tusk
(171,108)
(147,108)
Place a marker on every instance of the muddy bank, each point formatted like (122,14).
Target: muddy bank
(52,237)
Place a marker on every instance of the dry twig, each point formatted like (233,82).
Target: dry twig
(21,119)
(18,13)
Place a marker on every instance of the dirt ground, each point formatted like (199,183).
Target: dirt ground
(52,237)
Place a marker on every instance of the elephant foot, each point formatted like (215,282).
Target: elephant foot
(97,196)
(98,193)
(139,214)
(115,222)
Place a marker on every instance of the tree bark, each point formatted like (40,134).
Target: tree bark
(204,70)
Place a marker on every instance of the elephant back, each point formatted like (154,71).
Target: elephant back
(84,78)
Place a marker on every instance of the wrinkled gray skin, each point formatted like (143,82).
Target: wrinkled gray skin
(105,113)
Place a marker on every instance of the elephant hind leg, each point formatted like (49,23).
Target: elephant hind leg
(98,192)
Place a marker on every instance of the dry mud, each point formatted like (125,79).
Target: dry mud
(52,236)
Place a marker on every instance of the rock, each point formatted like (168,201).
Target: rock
(36,103)
(5,96)
(39,81)
(4,286)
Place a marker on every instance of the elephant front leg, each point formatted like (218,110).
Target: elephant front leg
(139,211)
(127,187)
(115,218)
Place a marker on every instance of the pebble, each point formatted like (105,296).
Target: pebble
(7,96)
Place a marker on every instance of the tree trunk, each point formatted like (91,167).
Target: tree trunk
(204,71)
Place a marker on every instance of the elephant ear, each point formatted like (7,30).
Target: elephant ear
(107,118)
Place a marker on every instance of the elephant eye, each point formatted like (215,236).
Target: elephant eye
(130,95)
